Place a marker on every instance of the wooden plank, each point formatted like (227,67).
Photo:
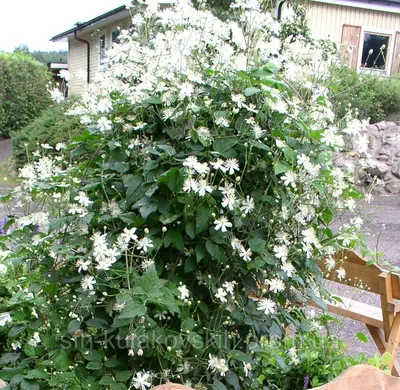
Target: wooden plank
(385,285)
(362,377)
(350,45)
(396,55)
(357,271)
(378,337)
(357,311)
(392,345)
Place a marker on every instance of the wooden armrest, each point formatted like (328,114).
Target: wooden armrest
(357,311)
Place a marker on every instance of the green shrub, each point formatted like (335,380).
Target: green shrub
(303,361)
(23,91)
(51,127)
(373,96)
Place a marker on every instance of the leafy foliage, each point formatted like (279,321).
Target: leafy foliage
(23,93)
(305,360)
(370,95)
(190,215)
(52,127)
(44,57)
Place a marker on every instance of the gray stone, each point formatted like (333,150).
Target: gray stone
(379,170)
(393,187)
(386,151)
(372,128)
(391,139)
(382,126)
(396,170)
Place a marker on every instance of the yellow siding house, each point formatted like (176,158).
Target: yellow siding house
(368,31)
(87,45)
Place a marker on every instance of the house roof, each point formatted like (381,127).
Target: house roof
(115,14)
(376,5)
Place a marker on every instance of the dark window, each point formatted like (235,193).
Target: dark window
(102,50)
(375,50)
(114,37)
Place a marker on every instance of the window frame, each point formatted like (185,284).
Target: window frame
(102,51)
(376,31)
(115,30)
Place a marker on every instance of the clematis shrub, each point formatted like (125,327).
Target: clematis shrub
(190,218)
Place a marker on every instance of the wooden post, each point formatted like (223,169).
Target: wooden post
(385,289)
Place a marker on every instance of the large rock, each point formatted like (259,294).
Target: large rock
(382,126)
(379,169)
(396,170)
(393,187)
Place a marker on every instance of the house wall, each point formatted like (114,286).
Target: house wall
(77,53)
(326,20)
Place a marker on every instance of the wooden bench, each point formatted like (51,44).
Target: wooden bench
(382,322)
(355,378)
(362,378)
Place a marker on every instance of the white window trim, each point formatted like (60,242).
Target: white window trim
(392,37)
(103,33)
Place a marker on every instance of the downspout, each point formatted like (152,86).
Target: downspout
(88,54)
(278,12)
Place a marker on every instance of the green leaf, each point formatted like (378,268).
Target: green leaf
(190,229)
(36,374)
(201,252)
(203,217)
(153,100)
(98,323)
(232,379)
(9,358)
(187,324)
(106,380)
(123,376)
(133,309)
(146,206)
(133,188)
(29,350)
(195,340)
(168,218)
(61,360)
(173,178)
(224,146)
(111,363)
(251,91)
(16,330)
(190,264)
(217,385)
(167,149)
(281,168)
(386,358)
(174,236)
(73,326)
(215,250)
(257,244)
(362,337)
(240,356)
(29,384)
(290,154)
(166,300)
(118,386)
(92,355)
(94,365)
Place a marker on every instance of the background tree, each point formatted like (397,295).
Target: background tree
(23,90)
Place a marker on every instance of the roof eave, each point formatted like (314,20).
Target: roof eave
(64,35)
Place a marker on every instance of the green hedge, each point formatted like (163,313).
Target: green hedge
(373,96)
(51,127)
(23,90)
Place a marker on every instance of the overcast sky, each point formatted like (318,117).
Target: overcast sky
(34,22)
